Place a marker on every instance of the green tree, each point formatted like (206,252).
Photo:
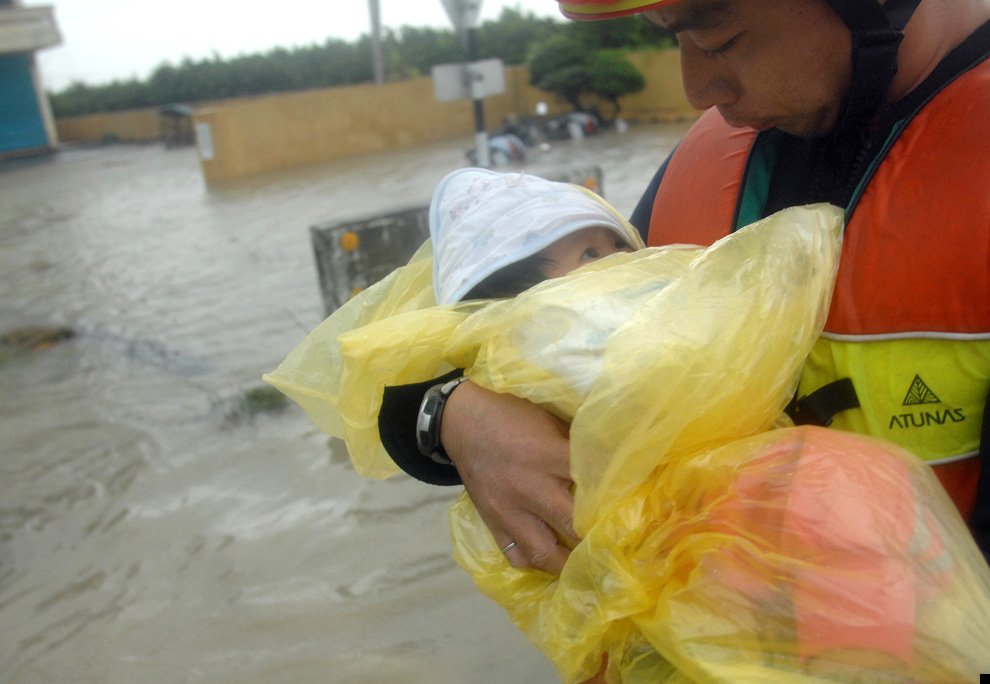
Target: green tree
(412,52)
(408,52)
(560,66)
(611,76)
(566,67)
(513,35)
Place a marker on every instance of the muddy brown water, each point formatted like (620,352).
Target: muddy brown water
(153,531)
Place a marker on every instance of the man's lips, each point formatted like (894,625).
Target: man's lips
(755,124)
(760,125)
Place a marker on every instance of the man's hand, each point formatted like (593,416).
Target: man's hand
(514,460)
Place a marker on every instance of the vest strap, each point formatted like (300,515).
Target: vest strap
(877,31)
(820,407)
(979,520)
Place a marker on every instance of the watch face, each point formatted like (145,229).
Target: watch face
(427,430)
(423,419)
(428,420)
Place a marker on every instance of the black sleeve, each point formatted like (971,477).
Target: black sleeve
(979,520)
(644,209)
(397,429)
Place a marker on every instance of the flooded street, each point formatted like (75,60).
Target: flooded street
(154,530)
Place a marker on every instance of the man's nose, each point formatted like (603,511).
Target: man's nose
(706,80)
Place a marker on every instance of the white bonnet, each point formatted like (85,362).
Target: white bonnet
(481,221)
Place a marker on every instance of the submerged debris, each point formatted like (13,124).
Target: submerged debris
(262,399)
(246,406)
(36,338)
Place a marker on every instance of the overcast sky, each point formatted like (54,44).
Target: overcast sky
(104,40)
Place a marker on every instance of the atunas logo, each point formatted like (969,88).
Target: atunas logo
(923,400)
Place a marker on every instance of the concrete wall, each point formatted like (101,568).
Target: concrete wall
(293,129)
(134,125)
(250,136)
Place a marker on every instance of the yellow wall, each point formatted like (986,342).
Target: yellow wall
(131,125)
(663,97)
(250,136)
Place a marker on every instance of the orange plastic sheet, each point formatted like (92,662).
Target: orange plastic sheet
(714,548)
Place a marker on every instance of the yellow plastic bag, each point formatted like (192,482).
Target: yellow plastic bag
(798,554)
(671,365)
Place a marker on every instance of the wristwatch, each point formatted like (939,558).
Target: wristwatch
(428,420)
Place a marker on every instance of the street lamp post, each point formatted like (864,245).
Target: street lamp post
(374,10)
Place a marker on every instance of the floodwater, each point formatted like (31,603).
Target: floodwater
(154,531)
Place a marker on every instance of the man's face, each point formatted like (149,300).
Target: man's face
(763,63)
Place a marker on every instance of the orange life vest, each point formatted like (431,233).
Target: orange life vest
(910,318)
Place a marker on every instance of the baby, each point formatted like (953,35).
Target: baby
(495,235)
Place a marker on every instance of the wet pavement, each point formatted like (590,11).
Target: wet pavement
(152,528)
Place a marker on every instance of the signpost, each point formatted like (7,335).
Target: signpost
(464,14)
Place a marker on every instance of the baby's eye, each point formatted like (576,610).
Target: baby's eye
(621,245)
(591,253)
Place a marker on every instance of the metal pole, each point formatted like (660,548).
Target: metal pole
(480,134)
(376,41)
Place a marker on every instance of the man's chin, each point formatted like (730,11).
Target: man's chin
(819,127)
(816,128)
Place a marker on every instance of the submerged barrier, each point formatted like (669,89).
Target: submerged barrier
(354,254)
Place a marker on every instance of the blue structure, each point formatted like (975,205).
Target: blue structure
(26,124)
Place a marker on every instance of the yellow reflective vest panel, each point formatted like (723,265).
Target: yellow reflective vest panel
(923,393)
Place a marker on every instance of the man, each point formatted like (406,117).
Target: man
(876,107)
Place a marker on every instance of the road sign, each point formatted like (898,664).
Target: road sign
(464,14)
(465,81)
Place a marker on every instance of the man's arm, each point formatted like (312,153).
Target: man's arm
(514,459)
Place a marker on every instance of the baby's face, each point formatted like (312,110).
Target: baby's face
(580,248)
